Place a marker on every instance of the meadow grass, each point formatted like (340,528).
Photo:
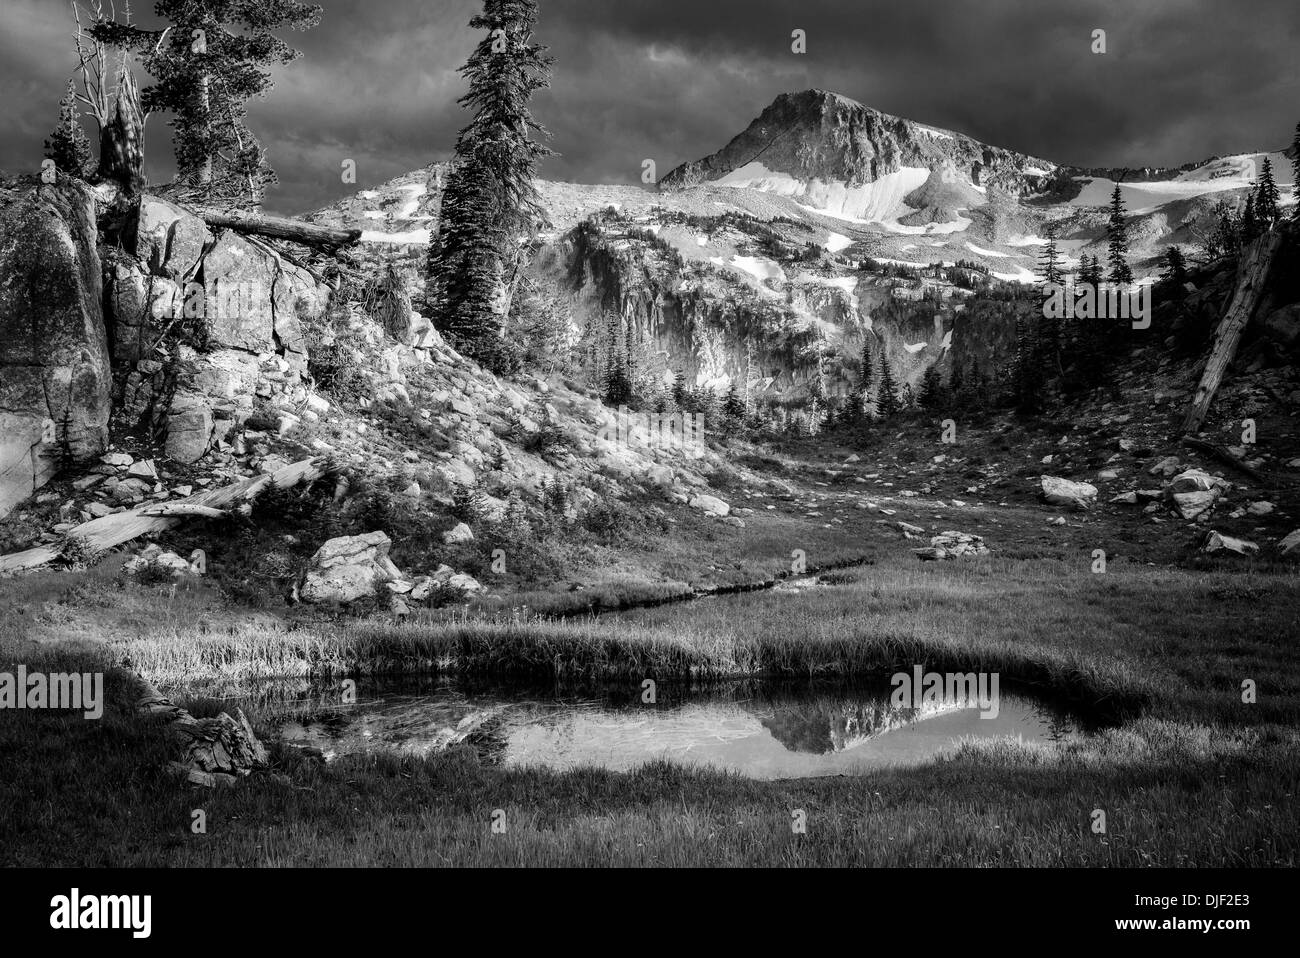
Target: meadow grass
(1187,773)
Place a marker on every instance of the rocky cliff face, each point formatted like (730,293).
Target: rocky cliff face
(203,325)
(54,365)
(795,333)
(170,330)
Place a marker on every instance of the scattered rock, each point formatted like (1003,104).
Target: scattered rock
(1066,492)
(348,568)
(1217,542)
(1261,508)
(711,505)
(1194,492)
(952,545)
(1166,466)
(458,534)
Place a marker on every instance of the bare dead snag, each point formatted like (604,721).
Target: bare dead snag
(1252,277)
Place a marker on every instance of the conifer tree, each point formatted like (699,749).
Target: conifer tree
(208,62)
(1250,226)
(1266,197)
(1175,266)
(733,408)
(1117,245)
(887,401)
(68,146)
(957,383)
(1049,341)
(1295,173)
(930,395)
(496,161)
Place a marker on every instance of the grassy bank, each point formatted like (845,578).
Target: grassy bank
(93,794)
(1195,777)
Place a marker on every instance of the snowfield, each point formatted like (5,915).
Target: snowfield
(837,242)
(1217,176)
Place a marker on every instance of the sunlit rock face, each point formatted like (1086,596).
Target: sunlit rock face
(54,361)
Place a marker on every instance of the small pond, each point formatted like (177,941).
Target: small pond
(761,730)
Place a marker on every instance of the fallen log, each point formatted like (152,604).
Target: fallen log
(106,532)
(1218,452)
(277,227)
(1252,276)
(184,509)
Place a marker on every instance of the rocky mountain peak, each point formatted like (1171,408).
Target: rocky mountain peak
(826,136)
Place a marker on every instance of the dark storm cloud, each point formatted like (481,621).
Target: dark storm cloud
(673,80)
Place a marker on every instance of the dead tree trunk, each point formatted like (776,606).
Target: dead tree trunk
(1252,276)
(306,234)
(121,138)
(112,530)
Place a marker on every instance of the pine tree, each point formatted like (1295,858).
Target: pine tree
(1027,378)
(1117,236)
(1050,262)
(866,379)
(887,401)
(474,261)
(930,395)
(209,61)
(1295,173)
(1266,197)
(1050,338)
(1250,225)
(733,408)
(1175,266)
(68,146)
(956,383)
(465,268)
(679,391)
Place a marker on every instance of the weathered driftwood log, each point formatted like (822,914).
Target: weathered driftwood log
(276,227)
(113,530)
(1252,277)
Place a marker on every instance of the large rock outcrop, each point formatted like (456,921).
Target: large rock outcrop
(205,323)
(55,374)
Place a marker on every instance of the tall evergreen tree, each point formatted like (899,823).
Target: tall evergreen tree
(887,401)
(1049,341)
(733,407)
(1295,173)
(867,377)
(496,162)
(1266,196)
(208,62)
(957,383)
(68,146)
(465,268)
(1175,266)
(930,395)
(1117,237)
(1250,225)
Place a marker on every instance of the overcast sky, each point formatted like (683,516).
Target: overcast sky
(674,80)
